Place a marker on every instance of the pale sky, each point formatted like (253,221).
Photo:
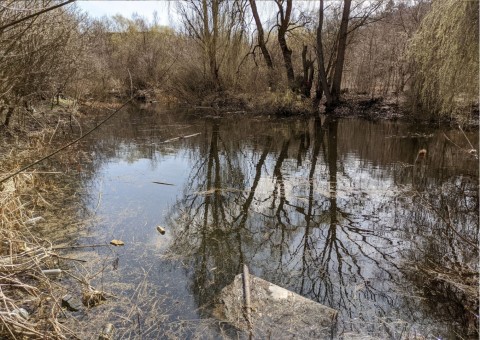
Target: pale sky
(165,9)
(97,9)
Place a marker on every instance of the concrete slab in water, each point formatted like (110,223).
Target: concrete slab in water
(276,313)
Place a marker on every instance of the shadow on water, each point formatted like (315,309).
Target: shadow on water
(343,212)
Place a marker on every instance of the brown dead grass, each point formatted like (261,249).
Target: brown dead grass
(30,300)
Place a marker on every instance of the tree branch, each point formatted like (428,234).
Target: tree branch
(13,23)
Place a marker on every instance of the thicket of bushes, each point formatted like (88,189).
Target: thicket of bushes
(392,48)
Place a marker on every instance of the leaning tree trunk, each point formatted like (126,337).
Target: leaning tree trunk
(261,36)
(262,44)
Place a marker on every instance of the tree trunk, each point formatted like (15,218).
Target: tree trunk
(322,84)
(214,67)
(210,38)
(342,44)
(282,41)
(261,37)
(308,72)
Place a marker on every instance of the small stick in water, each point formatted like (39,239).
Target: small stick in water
(163,183)
(85,246)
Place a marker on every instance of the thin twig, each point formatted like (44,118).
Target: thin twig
(163,183)
(67,258)
(468,140)
(180,137)
(55,131)
(86,246)
(35,14)
(451,141)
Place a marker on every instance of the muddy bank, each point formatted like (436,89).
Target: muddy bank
(394,108)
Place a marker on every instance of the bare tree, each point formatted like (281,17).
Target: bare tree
(331,69)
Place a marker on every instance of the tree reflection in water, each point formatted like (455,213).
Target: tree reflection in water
(305,212)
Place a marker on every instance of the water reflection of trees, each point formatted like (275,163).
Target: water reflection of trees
(325,208)
(277,207)
(443,259)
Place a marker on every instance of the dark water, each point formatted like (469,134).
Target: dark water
(340,211)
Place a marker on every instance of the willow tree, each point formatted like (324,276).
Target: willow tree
(445,53)
(217,26)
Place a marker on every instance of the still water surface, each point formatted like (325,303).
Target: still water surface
(330,209)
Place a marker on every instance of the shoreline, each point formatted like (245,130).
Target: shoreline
(352,106)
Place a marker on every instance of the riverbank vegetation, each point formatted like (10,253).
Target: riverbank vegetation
(32,203)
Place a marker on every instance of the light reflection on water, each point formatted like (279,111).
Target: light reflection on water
(323,207)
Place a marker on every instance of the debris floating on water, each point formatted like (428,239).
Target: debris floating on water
(107,332)
(91,298)
(34,220)
(180,138)
(20,312)
(117,243)
(52,272)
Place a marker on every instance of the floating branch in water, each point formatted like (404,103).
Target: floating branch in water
(180,137)
(163,183)
(214,190)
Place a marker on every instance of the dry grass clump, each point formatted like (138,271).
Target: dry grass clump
(458,282)
(282,103)
(30,299)
(443,258)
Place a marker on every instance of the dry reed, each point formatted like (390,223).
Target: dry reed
(30,299)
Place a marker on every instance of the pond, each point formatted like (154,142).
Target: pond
(349,213)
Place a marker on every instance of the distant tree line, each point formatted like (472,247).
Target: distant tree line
(422,50)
